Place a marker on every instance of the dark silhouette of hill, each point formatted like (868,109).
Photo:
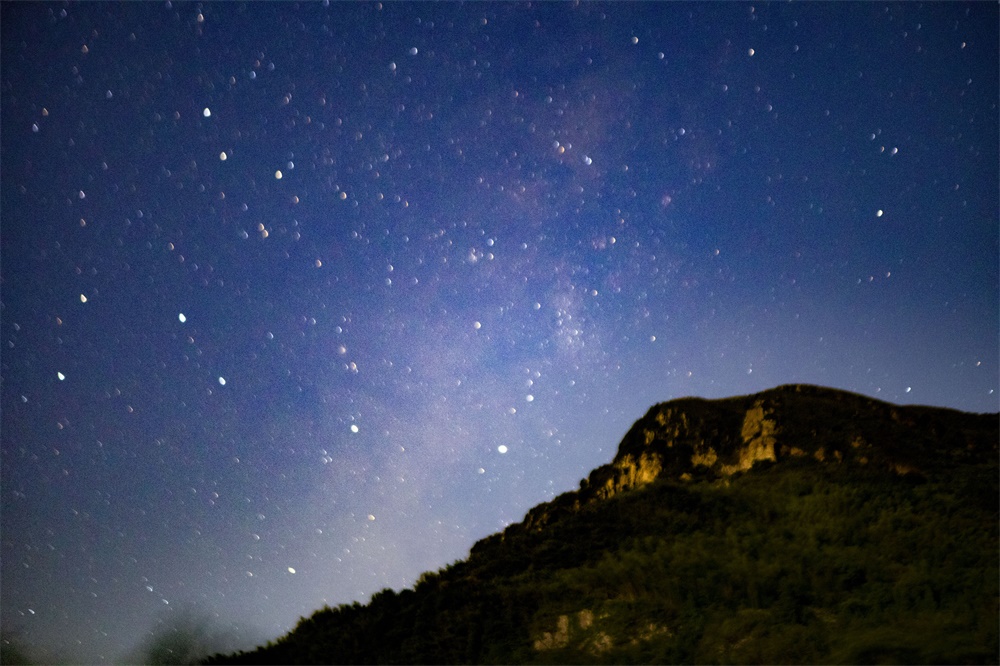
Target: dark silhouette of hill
(801,524)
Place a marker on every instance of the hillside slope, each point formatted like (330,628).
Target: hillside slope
(800,524)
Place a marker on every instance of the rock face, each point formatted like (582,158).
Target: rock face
(696,438)
(581,631)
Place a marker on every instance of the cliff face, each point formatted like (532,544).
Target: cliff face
(697,438)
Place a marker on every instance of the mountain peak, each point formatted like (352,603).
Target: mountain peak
(694,438)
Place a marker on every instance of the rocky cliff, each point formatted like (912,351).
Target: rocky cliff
(695,438)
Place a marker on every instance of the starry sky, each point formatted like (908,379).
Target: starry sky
(301,300)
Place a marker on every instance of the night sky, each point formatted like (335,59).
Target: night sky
(300,301)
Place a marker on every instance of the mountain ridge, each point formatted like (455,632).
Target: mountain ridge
(692,436)
(799,524)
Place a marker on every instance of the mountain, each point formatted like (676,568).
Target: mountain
(801,524)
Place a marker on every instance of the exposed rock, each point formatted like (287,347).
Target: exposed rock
(555,639)
(693,438)
(632,472)
(600,644)
(683,437)
(759,436)
(587,634)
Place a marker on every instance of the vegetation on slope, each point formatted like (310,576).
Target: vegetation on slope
(797,561)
